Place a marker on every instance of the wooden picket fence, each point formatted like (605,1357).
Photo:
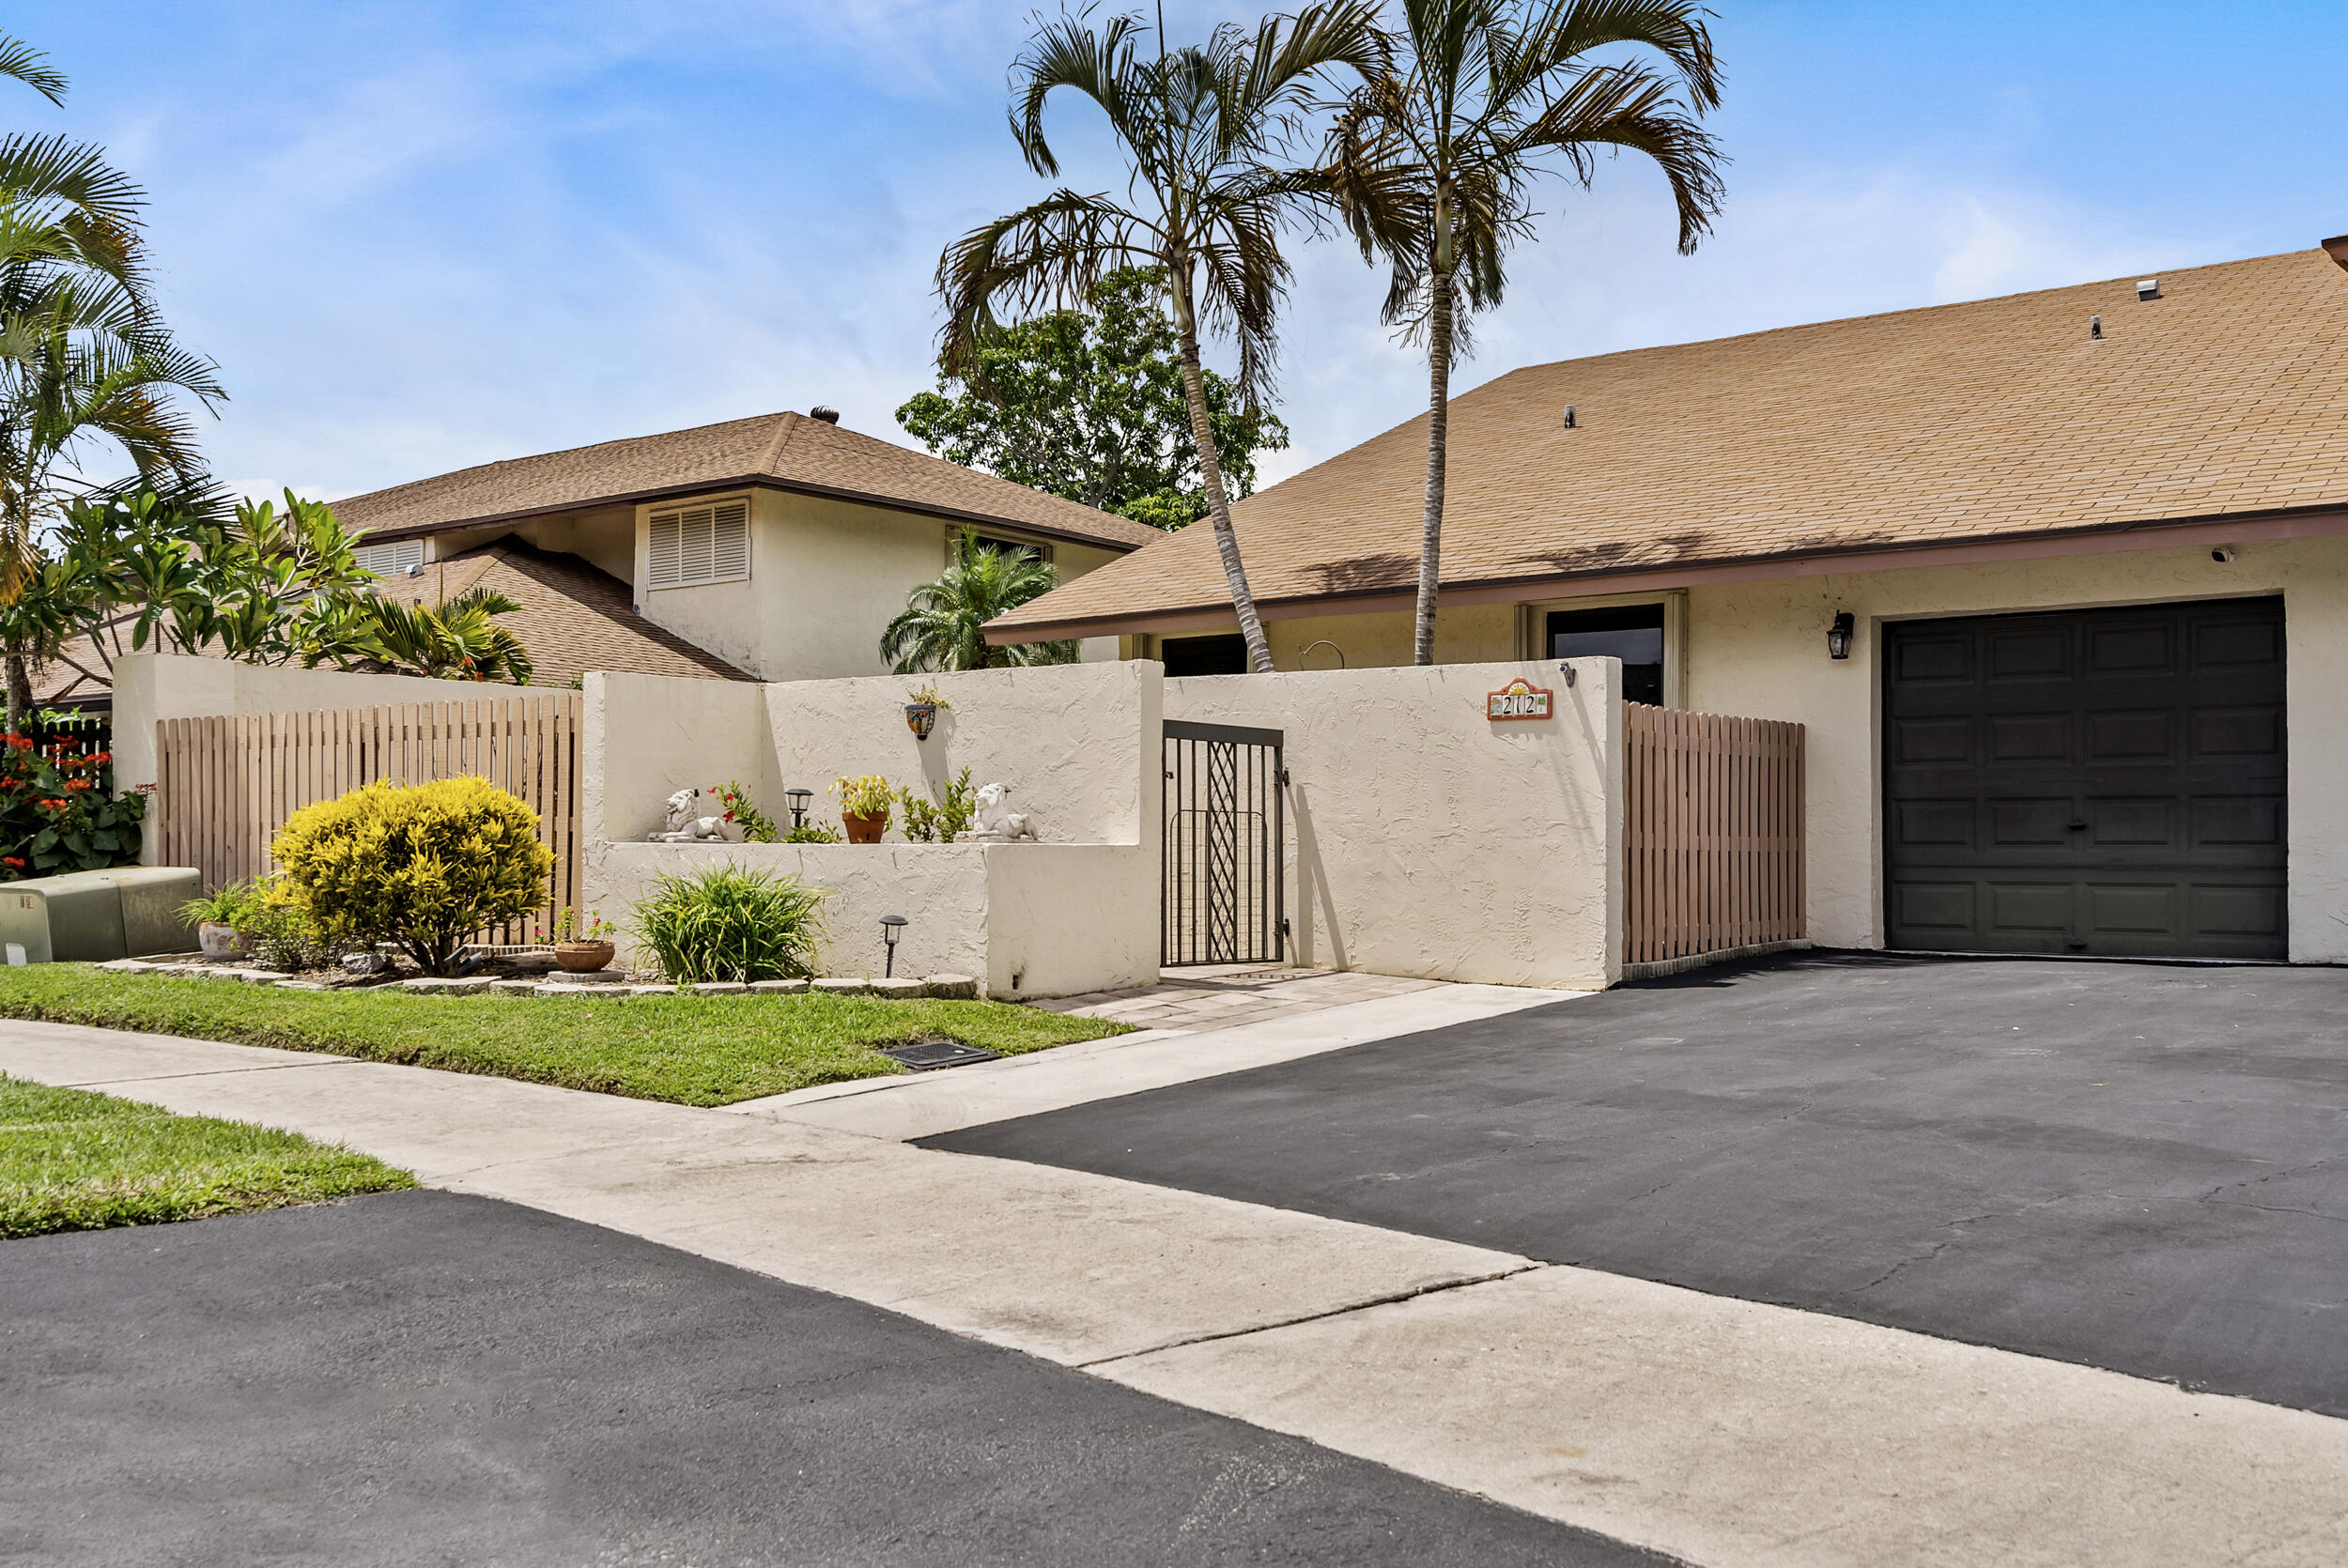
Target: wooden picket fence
(225,785)
(1713,843)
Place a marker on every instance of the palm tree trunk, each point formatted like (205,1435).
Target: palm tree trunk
(1211,472)
(1438,442)
(20,687)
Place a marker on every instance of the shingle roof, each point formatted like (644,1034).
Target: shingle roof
(786,450)
(2227,395)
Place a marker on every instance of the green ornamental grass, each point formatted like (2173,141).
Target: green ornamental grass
(732,923)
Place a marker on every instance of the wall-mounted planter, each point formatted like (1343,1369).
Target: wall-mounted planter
(921,717)
(864,830)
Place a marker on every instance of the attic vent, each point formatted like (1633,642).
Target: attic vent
(824,412)
(2147,288)
(390,560)
(700,544)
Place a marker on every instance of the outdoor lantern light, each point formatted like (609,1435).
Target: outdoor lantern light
(891,926)
(798,799)
(1838,635)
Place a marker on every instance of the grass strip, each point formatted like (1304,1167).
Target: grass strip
(72,1160)
(689,1049)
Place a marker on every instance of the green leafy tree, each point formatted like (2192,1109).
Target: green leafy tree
(1434,160)
(1197,128)
(1088,405)
(943,627)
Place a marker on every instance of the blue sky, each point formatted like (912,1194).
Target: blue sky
(423,235)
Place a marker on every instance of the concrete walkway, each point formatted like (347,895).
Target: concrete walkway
(1721,1431)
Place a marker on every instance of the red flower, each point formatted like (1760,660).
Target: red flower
(12,860)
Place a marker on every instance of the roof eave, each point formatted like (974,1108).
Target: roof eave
(2143,534)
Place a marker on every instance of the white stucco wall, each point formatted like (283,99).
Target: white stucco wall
(1759,649)
(1426,839)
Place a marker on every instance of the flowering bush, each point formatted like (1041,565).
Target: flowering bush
(59,811)
(757,827)
(569,925)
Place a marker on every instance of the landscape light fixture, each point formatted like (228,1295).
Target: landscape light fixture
(798,799)
(891,926)
(1838,634)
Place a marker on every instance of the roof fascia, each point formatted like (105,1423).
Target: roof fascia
(2242,528)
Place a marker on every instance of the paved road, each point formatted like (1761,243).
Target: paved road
(419,1378)
(2143,1168)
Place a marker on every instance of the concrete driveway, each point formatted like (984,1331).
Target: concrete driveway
(2137,1167)
(421,1377)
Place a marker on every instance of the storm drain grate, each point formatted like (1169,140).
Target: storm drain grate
(929,1055)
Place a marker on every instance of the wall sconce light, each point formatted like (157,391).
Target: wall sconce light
(798,799)
(891,926)
(1838,635)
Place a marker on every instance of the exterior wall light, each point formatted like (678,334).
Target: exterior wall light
(798,799)
(891,926)
(1838,634)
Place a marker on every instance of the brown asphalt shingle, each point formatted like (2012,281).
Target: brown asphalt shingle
(1959,423)
(788,451)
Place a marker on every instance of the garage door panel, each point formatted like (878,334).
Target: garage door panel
(2106,781)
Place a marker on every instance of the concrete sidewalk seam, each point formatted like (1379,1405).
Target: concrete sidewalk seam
(1527,1267)
(323,1061)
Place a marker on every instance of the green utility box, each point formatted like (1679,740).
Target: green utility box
(89,916)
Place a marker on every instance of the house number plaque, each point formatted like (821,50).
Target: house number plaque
(1517,699)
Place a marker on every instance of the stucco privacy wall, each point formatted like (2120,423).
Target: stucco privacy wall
(151,687)
(1077,743)
(1760,649)
(1425,839)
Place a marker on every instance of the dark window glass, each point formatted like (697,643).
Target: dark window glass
(1632,632)
(1204,655)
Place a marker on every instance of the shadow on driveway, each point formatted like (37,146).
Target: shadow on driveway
(2140,1167)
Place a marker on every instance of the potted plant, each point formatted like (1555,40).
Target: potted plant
(583,946)
(921,705)
(216,917)
(864,807)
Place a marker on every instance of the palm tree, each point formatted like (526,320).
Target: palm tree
(1433,162)
(1197,126)
(943,627)
(458,640)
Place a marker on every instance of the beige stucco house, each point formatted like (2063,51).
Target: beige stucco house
(775,547)
(2058,583)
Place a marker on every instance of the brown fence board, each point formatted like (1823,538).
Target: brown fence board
(225,785)
(1712,833)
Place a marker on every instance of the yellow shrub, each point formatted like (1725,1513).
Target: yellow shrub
(422,864)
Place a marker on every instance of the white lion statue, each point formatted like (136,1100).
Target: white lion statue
(998,823)
(683,827)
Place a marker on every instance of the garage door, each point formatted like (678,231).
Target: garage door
(2096,781)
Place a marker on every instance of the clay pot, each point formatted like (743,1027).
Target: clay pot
(864,830)
(582,958)
(219,941)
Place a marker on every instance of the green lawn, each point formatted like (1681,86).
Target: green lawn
(692,1050)
(70,1159)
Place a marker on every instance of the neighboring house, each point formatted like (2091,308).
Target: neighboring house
(2058,582)
(776,547)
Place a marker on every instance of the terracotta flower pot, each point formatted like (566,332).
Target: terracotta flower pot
(583,956)
(864,830)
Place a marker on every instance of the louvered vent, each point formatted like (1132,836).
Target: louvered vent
(700,544)
(388,560)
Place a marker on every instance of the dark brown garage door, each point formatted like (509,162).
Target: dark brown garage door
(2096,781)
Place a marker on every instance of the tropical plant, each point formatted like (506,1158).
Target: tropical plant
(1433,162)
(224,905)
(757,827)
(936,821)
(943,627)
(867,796)
(458,640)
(59,811)
(1197,126)
(420,864)
(927,692)
(1089,405)
(732,923)
(813,833)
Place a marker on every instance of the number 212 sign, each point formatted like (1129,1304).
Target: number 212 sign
(1517,699)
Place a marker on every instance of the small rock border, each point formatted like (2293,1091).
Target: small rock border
(950,988)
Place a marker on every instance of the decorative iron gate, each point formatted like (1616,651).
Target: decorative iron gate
(1224,888)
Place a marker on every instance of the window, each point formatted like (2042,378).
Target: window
(390,560)
(1204,655)
(1632,632)
(700,544)
(990,542)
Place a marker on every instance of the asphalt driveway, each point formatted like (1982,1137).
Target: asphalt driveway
(2138,1167)
(417,1377)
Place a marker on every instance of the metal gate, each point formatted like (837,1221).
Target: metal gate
(1224,887)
